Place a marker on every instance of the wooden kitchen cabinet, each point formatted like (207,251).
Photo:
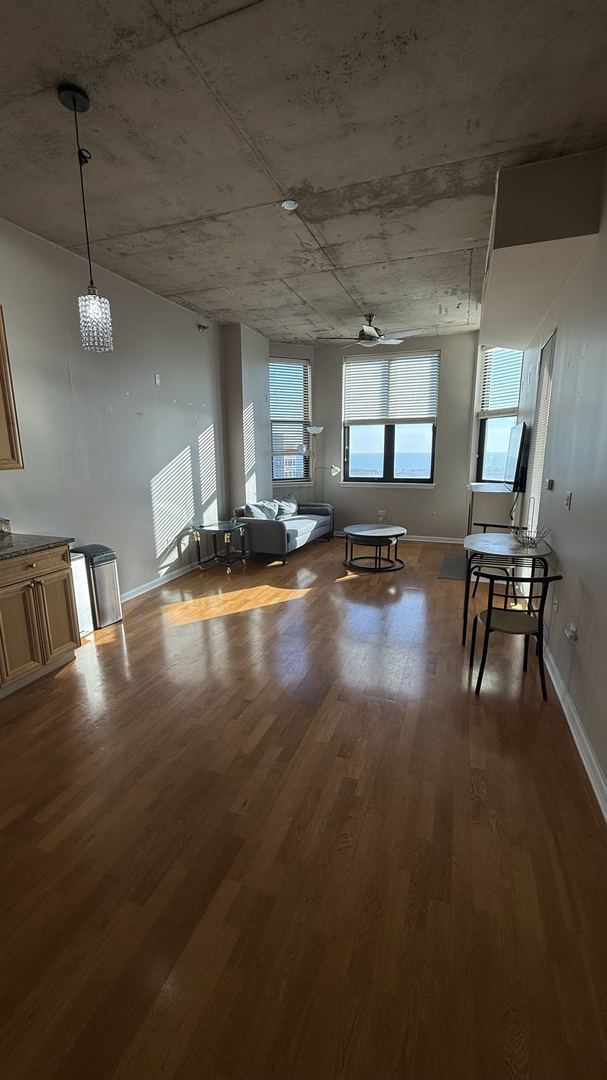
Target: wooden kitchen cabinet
(20,640)
(10,443)
(57,614)
(38,618)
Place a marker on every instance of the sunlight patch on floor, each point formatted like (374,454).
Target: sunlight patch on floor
(232,603)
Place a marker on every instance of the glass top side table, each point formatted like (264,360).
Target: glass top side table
(226,548)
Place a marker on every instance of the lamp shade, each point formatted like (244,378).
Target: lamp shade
(95,322)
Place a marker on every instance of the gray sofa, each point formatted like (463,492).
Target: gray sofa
(278,536)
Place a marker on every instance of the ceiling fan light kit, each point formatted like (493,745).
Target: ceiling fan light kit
(369,335)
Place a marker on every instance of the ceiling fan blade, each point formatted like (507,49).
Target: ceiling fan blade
(392,340)
(410,333)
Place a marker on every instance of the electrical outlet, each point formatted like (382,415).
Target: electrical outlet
(381,514)
(568,498)
(555,605)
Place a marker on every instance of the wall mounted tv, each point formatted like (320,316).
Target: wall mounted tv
(516,461)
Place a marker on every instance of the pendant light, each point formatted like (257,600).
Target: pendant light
(94,310)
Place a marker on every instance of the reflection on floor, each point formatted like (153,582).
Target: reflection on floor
(230,603)
(265,831)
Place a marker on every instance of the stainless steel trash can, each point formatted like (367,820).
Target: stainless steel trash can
(102,570)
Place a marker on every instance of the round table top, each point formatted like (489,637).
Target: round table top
(376,532)
(503,543)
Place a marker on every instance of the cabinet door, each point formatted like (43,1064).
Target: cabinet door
(10,445)
(57,614)
(20,644)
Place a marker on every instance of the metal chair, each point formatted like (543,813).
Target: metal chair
(506,565)
(527,621)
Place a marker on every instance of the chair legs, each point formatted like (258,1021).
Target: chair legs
(540,661)
(526,652)
(473,642)
(481,670)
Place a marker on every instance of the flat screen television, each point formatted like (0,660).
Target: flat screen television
(514,474)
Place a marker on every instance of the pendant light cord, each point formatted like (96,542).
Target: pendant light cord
(83,159)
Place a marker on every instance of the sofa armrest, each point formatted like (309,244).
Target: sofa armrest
(324,509)
(316,508)
(265,536)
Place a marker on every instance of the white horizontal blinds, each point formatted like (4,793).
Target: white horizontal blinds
(289,416)
(539,433)
(399,389)
(500,382)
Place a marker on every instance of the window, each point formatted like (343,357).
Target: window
(539,432)
(389,411)
(289,419)
(499,394)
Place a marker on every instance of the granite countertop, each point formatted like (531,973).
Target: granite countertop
(24,543)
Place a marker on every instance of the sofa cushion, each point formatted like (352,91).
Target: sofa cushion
(287,506)
(302,528)
(266,508)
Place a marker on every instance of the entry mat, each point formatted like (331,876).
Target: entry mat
(453,567)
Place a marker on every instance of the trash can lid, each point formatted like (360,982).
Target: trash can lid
(95,553)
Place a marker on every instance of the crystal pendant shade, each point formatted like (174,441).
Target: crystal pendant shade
(95,322)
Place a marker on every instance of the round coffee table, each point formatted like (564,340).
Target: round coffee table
(377,537)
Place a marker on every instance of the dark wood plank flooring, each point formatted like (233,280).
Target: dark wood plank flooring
(264,831)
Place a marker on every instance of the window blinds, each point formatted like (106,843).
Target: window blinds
(395,390)
(500,382)
(539,433)
(289,416)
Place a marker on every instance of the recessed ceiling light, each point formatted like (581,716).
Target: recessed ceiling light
(289,204)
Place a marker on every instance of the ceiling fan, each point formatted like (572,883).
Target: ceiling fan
(370,335)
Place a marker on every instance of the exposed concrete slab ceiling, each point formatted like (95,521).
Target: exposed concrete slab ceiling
(387,121)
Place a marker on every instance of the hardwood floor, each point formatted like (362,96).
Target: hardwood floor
(265,831)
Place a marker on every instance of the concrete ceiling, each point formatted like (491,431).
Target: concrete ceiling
(387,121)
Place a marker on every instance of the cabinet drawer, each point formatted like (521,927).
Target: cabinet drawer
(20,567)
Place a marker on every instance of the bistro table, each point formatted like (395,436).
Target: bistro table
(226,531)
(493,546)
(377,537)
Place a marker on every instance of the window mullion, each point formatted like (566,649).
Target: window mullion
(389,452)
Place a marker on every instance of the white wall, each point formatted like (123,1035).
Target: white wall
(576,458)
(109,456)
(440,510)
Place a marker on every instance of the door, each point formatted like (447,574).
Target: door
(57,614)
(20,644)
(10,445)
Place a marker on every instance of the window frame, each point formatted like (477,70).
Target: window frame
(389,425)
(388,476)
(305,423)
(483,415)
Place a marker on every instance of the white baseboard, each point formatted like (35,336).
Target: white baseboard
(589,760)
(421,539)
(157,582)
(435,539)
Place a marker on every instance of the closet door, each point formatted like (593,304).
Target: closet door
(10,444)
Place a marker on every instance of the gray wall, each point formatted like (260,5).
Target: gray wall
(109,456)
(576,458)
(425,511)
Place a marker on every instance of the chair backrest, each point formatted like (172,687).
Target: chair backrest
(534,591)
(484,525)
